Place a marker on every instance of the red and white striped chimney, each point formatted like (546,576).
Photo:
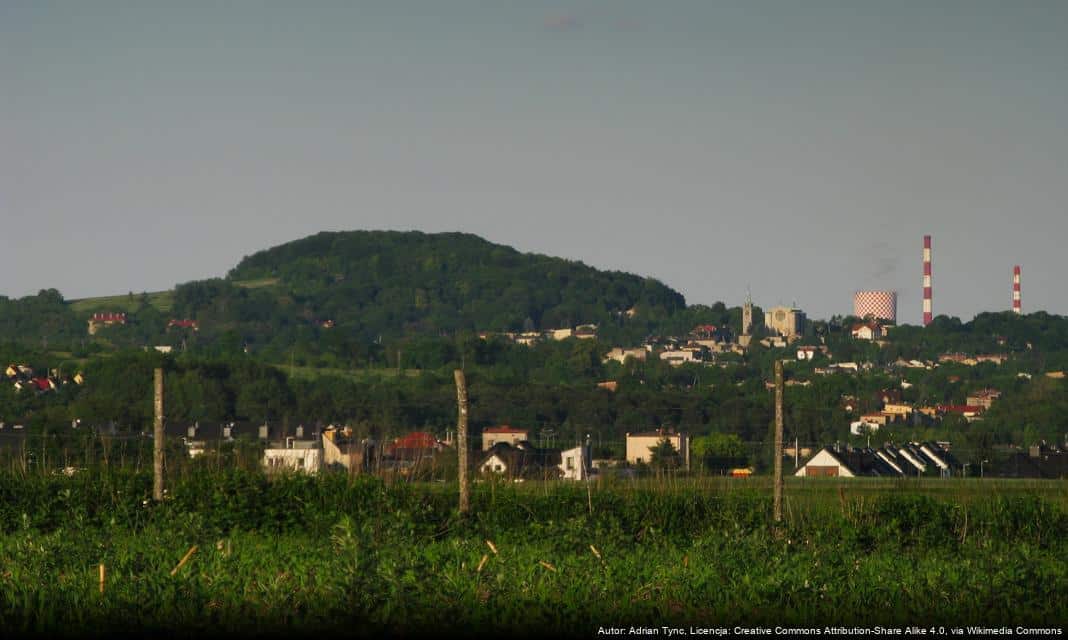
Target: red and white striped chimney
(1016,308)
(927,315)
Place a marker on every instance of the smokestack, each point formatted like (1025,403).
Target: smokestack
(927,314)
(1016,308)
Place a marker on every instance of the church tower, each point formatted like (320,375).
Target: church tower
(747,315)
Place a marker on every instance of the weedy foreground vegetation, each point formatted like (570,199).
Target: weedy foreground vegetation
(299,554)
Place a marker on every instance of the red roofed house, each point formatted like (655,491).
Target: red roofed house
(43,384)
(105,320)
(415,445)
(983,398)
(184,324)
(503,433)
(705,331)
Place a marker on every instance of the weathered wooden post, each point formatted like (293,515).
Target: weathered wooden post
(461,439)
(157,439)
(777,495)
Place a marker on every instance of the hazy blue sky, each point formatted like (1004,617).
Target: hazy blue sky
(802,148)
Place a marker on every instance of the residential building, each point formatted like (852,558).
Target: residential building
(867,331)
(183,324)
(341,447)
(586,332)
(640,445)
(902,411)
(576,463)
(881,419)
(292,454)
(1039,461)
(414,447)
(911,459)
(683,355)
(620,354)
(983,398)
(862,427)
(523,461)
(503,434)
(528,338)
(845,366)
(99,320)
(561,334)
(970,413)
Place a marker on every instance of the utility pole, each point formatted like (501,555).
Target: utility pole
(461,439)
(777,495)
(157,439)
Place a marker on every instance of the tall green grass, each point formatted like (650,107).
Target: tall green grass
(360,554)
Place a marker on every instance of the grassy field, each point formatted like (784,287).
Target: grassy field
(257,284)
(311,373)
(161,300)
(362,555)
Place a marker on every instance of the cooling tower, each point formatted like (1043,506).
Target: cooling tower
(881,305)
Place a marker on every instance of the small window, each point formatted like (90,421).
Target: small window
(570,463)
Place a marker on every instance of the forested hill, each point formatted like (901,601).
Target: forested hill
(345,295)
(392,282)
(348,298)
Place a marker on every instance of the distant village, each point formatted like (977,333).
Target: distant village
(508,451)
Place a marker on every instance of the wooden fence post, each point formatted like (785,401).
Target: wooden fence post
(461,439)
(157,439)
(777,495)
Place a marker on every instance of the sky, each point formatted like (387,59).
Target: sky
(800,150)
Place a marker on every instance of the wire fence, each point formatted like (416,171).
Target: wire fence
(542,455)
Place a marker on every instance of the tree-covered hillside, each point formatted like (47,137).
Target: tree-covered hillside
(396,282)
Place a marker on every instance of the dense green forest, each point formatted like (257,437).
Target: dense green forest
(366,328)
(341,299)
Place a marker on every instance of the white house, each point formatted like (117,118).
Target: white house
(505,434)
(909,459)
(827,463)
(522,461)
(867,331)
(294,455)
(620,355)
(860,427)
(683,355)
(575,463)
